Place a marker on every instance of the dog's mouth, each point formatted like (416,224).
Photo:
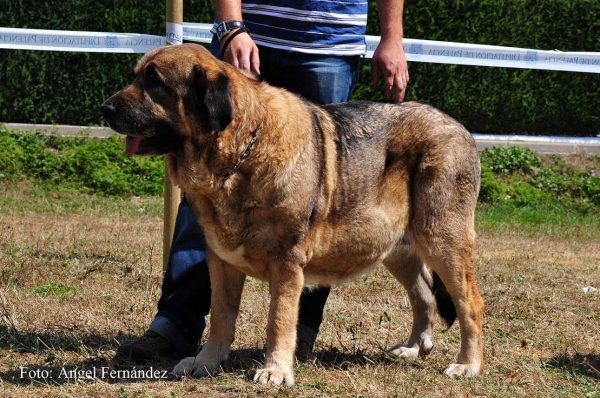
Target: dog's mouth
(155,145)
(145,136)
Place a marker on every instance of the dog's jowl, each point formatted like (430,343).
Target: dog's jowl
(298,194)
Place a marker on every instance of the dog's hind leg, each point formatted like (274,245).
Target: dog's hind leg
(408,268)
(227,284)
(445,239)
(455,269)
(445,190)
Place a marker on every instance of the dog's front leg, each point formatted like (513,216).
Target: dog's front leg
(227,284)
(285,285)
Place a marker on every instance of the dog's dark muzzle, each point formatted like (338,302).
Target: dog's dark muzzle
(108,110)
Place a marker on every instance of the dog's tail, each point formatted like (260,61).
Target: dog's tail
(443,300)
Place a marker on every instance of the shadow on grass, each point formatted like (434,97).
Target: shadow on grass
(63,339)
(99,363)
(578,364)
(329,359)
(247,361)
(334,358)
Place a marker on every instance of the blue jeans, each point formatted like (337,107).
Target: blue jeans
(185,298)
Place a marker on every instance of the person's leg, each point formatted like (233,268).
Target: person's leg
(185,297)
(310,317)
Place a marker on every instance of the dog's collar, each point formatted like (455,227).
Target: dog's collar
(243,157)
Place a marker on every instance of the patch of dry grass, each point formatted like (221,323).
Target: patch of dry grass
(73,286)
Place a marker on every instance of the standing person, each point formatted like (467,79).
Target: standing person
(312,48)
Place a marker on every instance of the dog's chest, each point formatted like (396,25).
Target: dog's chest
(235,256)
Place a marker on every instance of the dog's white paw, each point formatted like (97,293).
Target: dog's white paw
(411,352)
(458,369)
(404,352)
(274,377)
(191,366)
(185,367)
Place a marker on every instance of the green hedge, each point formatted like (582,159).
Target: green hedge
(503,100)
(68,88)
(49,87)
(88,165)
(511,176)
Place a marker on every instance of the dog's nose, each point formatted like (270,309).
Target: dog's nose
(108,110)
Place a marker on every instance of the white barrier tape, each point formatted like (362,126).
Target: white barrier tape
(174,33)
(198,32)
(485,55)
(540,139)
(61,40)
(460,53)
(416,50)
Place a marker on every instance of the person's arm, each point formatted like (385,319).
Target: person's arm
(389,59)
(241,52)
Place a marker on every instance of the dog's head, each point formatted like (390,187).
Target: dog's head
(176,91)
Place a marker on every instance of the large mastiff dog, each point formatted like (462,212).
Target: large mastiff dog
(297,194)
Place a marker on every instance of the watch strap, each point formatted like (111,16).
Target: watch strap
(227,26)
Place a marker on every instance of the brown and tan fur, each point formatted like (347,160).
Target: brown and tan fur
(325,193)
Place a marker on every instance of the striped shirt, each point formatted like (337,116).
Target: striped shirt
(331,27)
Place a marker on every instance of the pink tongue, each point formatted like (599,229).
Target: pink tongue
(132,144)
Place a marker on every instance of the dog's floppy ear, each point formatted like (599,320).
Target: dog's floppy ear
(215,97)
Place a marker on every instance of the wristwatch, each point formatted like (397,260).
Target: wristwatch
(227,26)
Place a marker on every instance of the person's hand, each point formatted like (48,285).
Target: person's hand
(389,62)
(242,53)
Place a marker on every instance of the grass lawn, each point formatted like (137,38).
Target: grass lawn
(80,273)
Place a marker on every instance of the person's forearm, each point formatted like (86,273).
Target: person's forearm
(390,19)
(228,10)
(241,51)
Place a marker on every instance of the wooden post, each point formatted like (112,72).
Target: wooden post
(172,194)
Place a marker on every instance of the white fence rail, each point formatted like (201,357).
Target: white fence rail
(416,50)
